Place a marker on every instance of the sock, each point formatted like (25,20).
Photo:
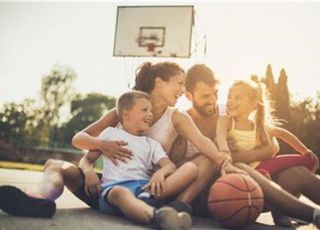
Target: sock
(18,203)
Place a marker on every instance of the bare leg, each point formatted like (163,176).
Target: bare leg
(279,198)
(133,208)
(129,205)
(56,175)
(206,170)
(180,179)
(299,179)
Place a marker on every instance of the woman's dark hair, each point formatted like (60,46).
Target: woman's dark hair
(147,73)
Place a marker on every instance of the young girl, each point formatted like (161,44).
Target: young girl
(248,99)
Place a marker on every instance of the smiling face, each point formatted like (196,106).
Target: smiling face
(138,119)
(204,98)
(240,101)
(172,89)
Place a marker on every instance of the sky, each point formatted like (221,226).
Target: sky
(242,38)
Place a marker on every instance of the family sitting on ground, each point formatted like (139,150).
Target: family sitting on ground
(159,162)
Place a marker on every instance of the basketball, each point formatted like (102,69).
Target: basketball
(235,200)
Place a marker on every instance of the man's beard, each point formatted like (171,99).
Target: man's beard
(203,110)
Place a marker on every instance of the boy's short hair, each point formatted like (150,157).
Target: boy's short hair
(199,73)
(128,100)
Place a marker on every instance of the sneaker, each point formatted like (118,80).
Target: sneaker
(181,207)
(316,221)
(18,203)
(281,221)
(167,218)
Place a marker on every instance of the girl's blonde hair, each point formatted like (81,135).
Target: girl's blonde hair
(263,113)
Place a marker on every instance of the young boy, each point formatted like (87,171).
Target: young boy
(123,184)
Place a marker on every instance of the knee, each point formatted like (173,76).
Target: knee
(191,170)
(52,163)
(117,194)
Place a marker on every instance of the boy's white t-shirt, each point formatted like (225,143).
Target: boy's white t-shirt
(146,154)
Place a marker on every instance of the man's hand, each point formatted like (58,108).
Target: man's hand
(156,186)
(232,169)
(92,184)
(115,151)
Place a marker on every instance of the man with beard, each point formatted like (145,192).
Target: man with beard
(202,90)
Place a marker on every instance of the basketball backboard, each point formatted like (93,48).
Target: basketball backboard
(159,31)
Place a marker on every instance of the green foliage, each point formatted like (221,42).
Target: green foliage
(85,110)
(302,118)
(19,123)
(56,91)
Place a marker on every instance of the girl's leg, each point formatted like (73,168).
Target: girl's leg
(279,198)
(282,162)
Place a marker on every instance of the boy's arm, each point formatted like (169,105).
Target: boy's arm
(91,180)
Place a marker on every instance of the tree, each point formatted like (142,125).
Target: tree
(56,91)
(269,80)
(85,110)
(19,122)
(282,97)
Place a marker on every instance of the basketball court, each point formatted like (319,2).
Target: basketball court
(141,31)
(74,214)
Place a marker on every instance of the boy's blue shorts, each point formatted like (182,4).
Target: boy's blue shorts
(135,186)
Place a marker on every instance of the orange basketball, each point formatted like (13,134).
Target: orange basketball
(235,200)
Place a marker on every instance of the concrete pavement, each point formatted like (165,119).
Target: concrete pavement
(74,214)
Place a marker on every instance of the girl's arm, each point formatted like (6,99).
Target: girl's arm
(88,138)
(258,154)
(91,180)
(222,133)
(187,129)
(289,138)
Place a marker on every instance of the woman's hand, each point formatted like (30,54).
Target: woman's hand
(156,186)
(91,183)
(115,151)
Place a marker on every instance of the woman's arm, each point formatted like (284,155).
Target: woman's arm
(88,138)
(187,129)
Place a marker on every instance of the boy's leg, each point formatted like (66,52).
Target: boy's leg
(206,170)
(165,218)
